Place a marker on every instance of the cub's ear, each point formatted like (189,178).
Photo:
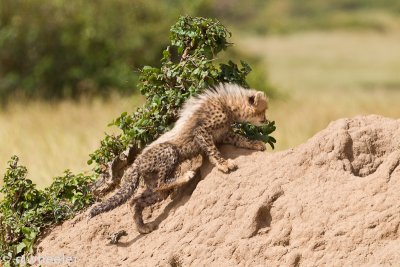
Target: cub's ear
(260,101)
(251,100)
(258,98)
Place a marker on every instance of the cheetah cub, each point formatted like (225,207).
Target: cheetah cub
(204,122)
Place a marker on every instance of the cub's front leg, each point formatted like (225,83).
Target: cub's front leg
(242,142)
(206,143)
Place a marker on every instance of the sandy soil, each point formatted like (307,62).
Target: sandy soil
(333,201)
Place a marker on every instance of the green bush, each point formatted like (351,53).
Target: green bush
(25,210)
(55,49)
(60,48)
(187,68)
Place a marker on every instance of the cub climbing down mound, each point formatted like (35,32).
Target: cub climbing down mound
(204,122)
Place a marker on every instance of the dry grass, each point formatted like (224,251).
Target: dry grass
(330,60)
(50,138)
(324,76)
(307,112)
(328,75)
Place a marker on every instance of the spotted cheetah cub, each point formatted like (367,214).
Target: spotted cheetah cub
(204,122)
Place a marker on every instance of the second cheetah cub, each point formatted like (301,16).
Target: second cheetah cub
(204,122)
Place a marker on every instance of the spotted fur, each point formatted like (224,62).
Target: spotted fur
(204,122)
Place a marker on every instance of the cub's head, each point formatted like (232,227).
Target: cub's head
(254,107)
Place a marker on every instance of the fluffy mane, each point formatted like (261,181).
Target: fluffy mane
(224,92)
(227,93)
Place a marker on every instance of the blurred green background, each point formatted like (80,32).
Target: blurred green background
(67,68)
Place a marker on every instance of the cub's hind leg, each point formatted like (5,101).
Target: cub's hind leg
(183,174)
(146,199)
(149,197)
(158,163)
(176,182)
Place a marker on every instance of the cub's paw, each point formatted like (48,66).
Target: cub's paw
(258,145)
(223,167)
(231,165)
(227,166)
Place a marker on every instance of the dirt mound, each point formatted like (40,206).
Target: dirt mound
(334,200)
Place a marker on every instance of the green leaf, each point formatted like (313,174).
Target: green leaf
(29,233)
(20,247)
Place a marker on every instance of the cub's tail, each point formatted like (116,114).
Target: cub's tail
(121,196)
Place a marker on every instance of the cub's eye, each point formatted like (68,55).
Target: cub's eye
(251,100)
